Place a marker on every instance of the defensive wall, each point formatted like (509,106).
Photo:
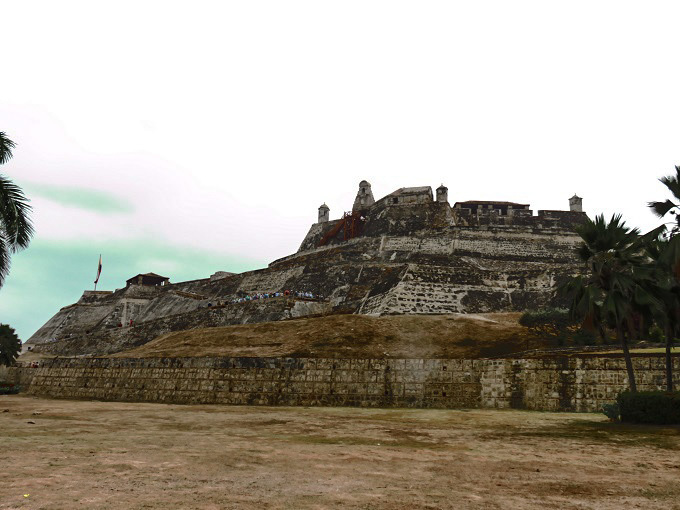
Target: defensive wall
(575,383)
(408,255)
(404,254)
(454,270)
(109,340)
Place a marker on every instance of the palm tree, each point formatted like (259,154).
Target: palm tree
(661,209)
(665,253)
(15,225)
(618,282)
(10,345)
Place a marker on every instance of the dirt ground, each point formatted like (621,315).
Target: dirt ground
(352,336)
(69,454)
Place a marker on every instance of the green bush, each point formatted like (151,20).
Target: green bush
(611,411)
(584,337)
(655,407)
(557,324)
(10,345)
(656,334)
(549,321)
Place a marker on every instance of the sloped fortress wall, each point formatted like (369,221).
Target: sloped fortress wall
(107,341)
(412,255)
(556,384)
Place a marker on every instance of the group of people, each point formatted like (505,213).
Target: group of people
(269,295)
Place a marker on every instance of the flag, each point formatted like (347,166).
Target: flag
(99,270)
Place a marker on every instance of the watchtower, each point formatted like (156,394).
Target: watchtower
(442,194)
(149,280)
(324,211)
(576,203)
(364,198)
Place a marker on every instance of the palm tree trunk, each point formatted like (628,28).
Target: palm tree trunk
(626,354)
(669,359)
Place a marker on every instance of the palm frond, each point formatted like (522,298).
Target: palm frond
(600,236)
(15,224)
(6,146)
(672,182)
(4,259)
(661,209)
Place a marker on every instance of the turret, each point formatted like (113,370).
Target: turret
(442,194)
(364,198)
(323,213)
(576,203)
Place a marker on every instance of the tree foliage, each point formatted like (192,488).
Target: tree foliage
(6,146)
(665,252)
(557,324)
(550,322)
(10,345)
(16,229)
(631,280)
(619,284)
(661,209)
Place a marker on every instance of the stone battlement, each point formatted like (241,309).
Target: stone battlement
(432,213)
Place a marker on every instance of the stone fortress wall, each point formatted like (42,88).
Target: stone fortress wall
(415,254)
(553,384)
(108,341)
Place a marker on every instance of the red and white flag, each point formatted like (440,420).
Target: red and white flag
(99,270)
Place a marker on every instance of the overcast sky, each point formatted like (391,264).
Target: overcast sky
(189,137)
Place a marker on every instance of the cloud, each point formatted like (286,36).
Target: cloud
(227,139)
(83,198)
(51,274)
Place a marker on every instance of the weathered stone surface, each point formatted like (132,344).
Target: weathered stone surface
(415,256)
(110,340)
(555,384)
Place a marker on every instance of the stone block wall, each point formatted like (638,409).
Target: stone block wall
(553,384)
(568,383)
(262,381)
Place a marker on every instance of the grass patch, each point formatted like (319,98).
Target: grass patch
(361,441)
(671,492)
(619,434)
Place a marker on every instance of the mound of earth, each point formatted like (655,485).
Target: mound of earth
(352,336)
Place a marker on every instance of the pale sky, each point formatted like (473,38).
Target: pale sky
(189,137)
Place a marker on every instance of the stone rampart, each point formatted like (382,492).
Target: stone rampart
(110,340)
(552,384)
(410,260)
(412,255)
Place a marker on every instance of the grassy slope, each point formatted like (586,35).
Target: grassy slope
(351,336)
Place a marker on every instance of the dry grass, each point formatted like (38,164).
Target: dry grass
(352,336)
(110,455)
(646,350)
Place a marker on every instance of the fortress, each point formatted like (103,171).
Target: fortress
(410,252)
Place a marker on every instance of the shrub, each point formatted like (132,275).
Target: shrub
(611,411)
(655,407)
(584,337)
(656,334)
(557,324)
(10,345)
(548,322)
